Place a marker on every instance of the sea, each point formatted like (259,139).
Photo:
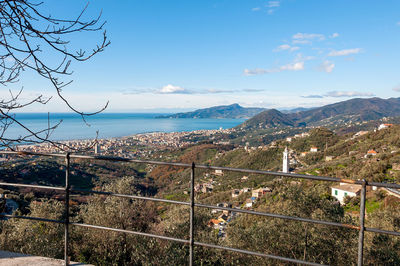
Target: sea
(111,125)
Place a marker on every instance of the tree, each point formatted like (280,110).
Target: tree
(111,248)
(27,36)
(35,237)
(305,241)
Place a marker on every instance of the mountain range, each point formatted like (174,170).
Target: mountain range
(233,111)
(358,109)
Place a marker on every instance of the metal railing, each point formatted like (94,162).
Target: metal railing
(191,242)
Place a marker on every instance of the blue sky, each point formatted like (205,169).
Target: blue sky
(182,55)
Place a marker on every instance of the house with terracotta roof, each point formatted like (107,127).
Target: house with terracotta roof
(214,223)
(345,190)
(383,126)
(370,153)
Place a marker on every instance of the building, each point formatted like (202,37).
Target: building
(303,154)
(360,133)
(219,172)
(383,126)
(345,190)
(258,193)
(97,149)
(313,149)
(285,164)
(329,158)
(249,203)
(370,153)
(214,223)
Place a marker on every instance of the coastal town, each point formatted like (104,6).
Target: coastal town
(135,146)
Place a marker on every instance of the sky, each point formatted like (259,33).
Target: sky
(169,56)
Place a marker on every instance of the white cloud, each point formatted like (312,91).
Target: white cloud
(215,91)
(301,42)
(284,47)
(255,9)
(334,35)
(308,36)
(301,58)
(172,89)
(348,94)
(257,71)
(345,52)
(327,66)
(273,4)
(293,66)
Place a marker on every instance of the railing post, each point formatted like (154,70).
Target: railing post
(362,223)
(191,215)
(66,225)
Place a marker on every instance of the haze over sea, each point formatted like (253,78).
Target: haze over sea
(112,125)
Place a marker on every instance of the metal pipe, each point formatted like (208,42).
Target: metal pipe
(66,225)
(131,232)
(129,196)
(280,216)
(191,258)
(31,186)
(257,254)
(192,203)
(185,165)
(362,224)
(380,231)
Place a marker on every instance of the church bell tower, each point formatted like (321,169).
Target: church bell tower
(285,165)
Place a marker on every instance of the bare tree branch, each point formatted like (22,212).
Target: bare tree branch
(27,36)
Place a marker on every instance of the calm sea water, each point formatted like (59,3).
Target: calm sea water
(114,125)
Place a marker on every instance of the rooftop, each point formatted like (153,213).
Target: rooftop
(349,188)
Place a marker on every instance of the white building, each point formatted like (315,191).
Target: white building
(249,203)
(97,149)
(383,126)
(313,149)
(344,190)
(219,172)
(285,165)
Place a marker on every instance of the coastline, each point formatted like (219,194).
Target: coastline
(127,146)
(120,126)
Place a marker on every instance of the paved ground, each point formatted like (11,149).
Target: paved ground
(17,259)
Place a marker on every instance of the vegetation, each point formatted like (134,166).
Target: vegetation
(317,243)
